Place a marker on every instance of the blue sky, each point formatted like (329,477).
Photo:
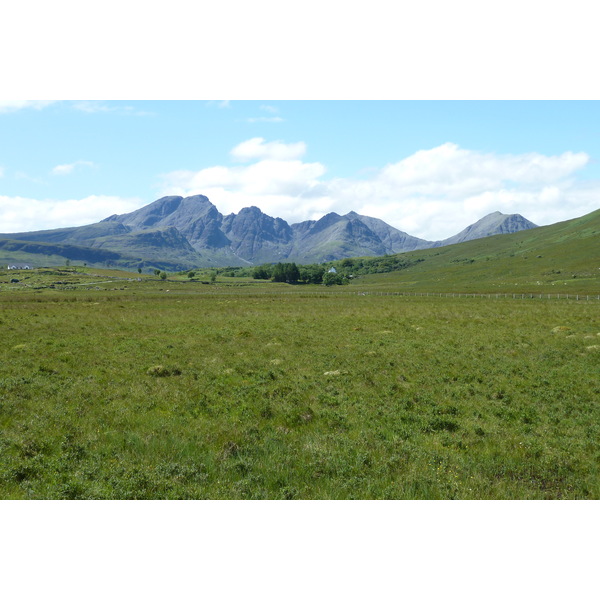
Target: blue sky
(429,168)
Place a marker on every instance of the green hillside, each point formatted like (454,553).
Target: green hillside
(43,254)
(559,258)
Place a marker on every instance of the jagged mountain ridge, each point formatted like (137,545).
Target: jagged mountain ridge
(252,237)
(179,233)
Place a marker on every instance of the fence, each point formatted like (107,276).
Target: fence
(330,292)
(473,295)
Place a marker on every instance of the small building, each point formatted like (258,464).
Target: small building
(332,270)
(18,267)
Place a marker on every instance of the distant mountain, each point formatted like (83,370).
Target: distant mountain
(493,224)
(177,233)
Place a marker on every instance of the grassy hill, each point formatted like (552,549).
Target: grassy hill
(559,258)
(44,254)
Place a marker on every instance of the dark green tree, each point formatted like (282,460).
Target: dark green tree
(262,272)
(278,273)
(312,273)
(286,272)
(333,279)
(292,272)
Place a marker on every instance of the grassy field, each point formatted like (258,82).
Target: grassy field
(112,387)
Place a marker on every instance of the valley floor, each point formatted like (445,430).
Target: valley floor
(149,393)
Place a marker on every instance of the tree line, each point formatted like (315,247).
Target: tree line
(293,273)
(337,272)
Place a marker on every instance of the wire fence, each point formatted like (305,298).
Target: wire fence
(328,292)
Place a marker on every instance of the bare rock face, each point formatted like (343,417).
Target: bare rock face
(393,239)
(195,217)
(256,237)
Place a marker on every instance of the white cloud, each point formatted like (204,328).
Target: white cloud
(90,106)
(20,214)
(265,120)
(269,184)
(432,194)
(272,110)
(14,105)
(93,106)
(68,168)
(219,103)
(257,148)
(450,170)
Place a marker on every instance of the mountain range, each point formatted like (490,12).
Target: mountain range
(177,233)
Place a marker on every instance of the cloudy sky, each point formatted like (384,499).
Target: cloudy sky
(327,111)
(429,168)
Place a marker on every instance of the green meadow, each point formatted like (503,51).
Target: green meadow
(119,387)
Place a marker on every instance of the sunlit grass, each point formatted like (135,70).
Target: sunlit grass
(209,392)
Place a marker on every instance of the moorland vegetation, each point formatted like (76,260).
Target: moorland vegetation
(215,384)
(119,386)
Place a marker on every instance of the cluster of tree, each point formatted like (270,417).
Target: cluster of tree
(344,270)
(285,273)
(293,273)
(330,278)
(282,272)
